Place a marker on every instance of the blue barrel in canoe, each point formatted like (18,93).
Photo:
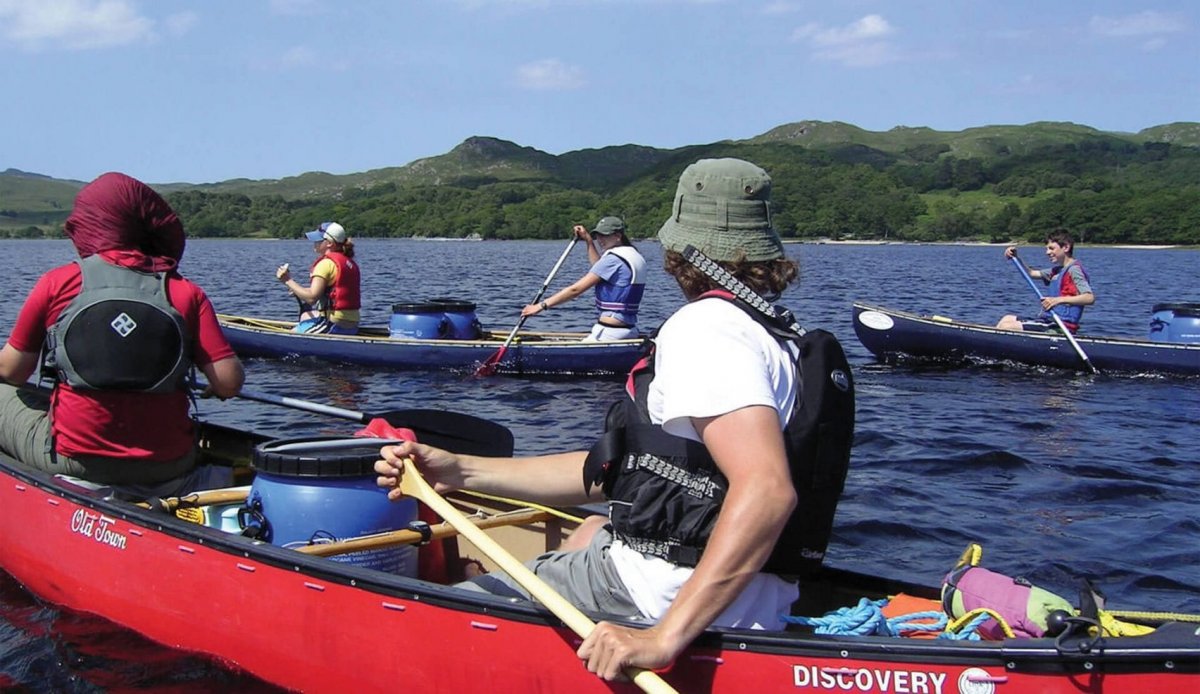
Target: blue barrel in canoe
(435,319)
(1175,323)
(464,325)
(322,489)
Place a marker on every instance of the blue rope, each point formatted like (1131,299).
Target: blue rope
(866,619)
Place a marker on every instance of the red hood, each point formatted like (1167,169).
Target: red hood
(126,218)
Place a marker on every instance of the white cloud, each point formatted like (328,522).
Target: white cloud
(858,44)
(72,24)
(1147,23)
(550,74)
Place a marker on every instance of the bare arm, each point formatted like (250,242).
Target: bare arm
(225,377)
(747,446)
(548,479)
(16,366)
(565,294)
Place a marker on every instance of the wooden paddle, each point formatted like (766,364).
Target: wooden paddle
(453,431)
(1057,321)
(488,367)
(414,485)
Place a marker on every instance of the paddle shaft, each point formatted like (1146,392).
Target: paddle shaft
(1057,321)
(414,485)
(305,405)
(489,365)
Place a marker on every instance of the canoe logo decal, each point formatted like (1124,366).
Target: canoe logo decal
(876,320)
(840,380)
(868,679)
(976,681)
(97,527)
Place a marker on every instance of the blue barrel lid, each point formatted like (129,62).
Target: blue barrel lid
(418,307)
(318,456)
(452,305)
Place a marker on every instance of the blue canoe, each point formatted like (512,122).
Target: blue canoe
(889,334)
(531,353)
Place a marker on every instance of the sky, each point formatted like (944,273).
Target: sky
(206,91)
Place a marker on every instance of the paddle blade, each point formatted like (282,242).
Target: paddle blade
(489,366)
(455,432)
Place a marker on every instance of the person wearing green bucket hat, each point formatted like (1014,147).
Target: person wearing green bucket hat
(618,275)
(717,501)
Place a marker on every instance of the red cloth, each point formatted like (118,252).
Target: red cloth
(380,428)
(136,426)
(117,212)
(431,561)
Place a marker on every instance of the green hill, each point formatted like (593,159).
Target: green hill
(832,179)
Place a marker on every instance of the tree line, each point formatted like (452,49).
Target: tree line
(1108,191)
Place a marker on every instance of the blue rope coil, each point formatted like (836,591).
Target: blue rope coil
(867,619)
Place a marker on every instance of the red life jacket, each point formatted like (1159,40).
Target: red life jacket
(343,292)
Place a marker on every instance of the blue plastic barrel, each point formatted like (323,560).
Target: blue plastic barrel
(437,319)
(322,489)
(1175,323)
(422,321)
(464,324)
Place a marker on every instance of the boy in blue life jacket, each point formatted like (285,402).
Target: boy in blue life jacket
(1070,289)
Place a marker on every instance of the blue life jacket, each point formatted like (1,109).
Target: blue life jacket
(624,299)
(1062,284)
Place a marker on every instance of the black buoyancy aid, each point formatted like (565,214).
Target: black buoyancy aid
(666,491)
(120,333)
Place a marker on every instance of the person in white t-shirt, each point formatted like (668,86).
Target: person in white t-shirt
(721,381)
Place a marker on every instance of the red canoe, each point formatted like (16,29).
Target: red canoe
(315,624)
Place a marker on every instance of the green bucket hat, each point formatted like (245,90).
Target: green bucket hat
(722,208)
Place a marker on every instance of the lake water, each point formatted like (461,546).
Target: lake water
(1058,475)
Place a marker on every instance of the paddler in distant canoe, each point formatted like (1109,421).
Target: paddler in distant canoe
(1070,287)
(331,301)
(618,274)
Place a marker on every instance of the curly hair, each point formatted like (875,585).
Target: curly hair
(766,277)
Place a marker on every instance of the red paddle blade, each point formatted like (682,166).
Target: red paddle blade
(488,368)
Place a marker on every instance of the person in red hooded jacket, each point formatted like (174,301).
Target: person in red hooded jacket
(121,329)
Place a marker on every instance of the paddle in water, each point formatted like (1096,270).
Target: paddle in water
(489,366)
(1057,320)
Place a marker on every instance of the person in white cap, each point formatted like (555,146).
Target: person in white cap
(331,302)
(618,274)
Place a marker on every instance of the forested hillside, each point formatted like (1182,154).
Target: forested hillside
(832,181)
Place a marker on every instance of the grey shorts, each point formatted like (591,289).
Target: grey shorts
(585,578)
